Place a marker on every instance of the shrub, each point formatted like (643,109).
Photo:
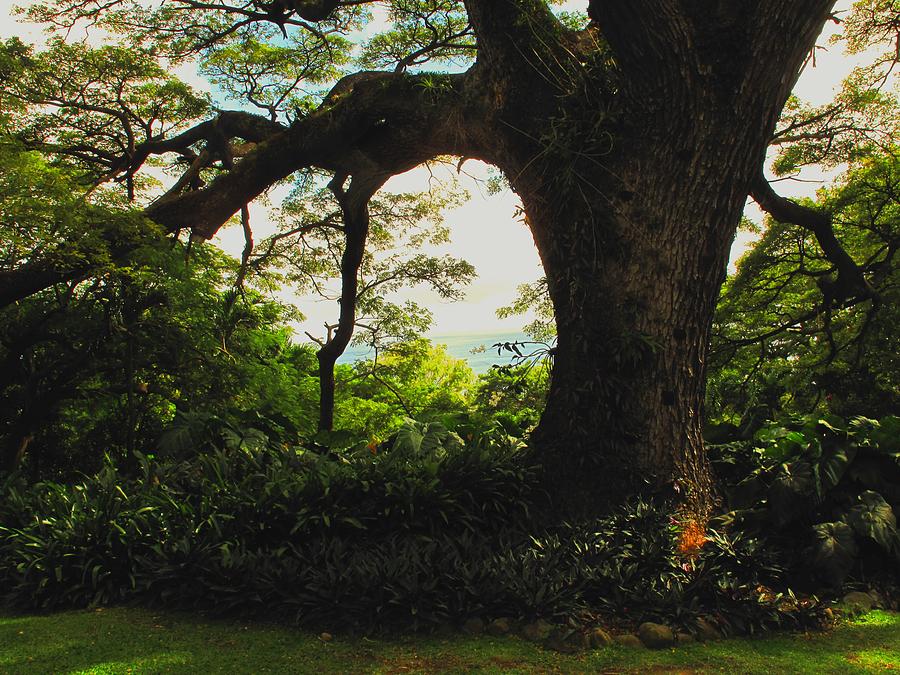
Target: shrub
(823,490)
(426,530)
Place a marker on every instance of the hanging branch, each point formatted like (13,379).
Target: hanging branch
(850,282)
(248,249)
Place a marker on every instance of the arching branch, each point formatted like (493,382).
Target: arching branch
(850,281)
(384,122)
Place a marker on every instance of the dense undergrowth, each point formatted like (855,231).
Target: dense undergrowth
(824,491)
(413,533)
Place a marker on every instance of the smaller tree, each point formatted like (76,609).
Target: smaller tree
(374,249)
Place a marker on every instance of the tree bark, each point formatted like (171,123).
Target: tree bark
(354,203)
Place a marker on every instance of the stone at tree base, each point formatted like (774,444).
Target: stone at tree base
(684,638)
(628,640)
(537,630)
(859,602)
(656,635)
(600,638)
(500,626)
(705,631)
(473,626)
(562,640)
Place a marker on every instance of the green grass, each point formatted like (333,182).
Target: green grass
(125,640)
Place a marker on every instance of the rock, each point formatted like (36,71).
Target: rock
(684,638)
(500,626)
(473,626)
(561,640)
(600,638)
(326,637)
(705,631)
(656,635)
(628,640)
(536,631)
(858,602)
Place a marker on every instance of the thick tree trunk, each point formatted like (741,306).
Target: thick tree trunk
(633,182)
(634,237)
(633,273)
(635,252)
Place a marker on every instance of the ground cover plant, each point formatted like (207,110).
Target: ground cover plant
(822,487)
(124,640)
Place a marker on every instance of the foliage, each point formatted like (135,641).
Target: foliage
(90,108)
(392,538)
(786,336)
(281,80)
(823,490)
(533,297)
(105,366)
(413,379)
(862,120)
(514,396)
(307,253)
(437,32)
(46,222)
(422,529)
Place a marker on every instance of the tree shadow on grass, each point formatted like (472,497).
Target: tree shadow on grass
(123,640)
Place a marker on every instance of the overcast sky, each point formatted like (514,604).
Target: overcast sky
(484,230)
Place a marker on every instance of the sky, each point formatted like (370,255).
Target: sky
(485,231)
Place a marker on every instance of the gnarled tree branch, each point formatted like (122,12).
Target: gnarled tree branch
(385,122)
(850,279)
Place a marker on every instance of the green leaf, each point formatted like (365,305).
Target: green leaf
(832,467)
(887,434)
(783,444)
(338,439)
(409,439)
(790,492)
(834,551)
(873,517)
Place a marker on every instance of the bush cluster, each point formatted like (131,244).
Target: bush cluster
(422,530)
(822,489)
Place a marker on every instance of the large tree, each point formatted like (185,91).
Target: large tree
(632,136)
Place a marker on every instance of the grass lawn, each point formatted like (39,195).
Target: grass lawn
(127,640)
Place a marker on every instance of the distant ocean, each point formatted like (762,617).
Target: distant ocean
(459,347)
